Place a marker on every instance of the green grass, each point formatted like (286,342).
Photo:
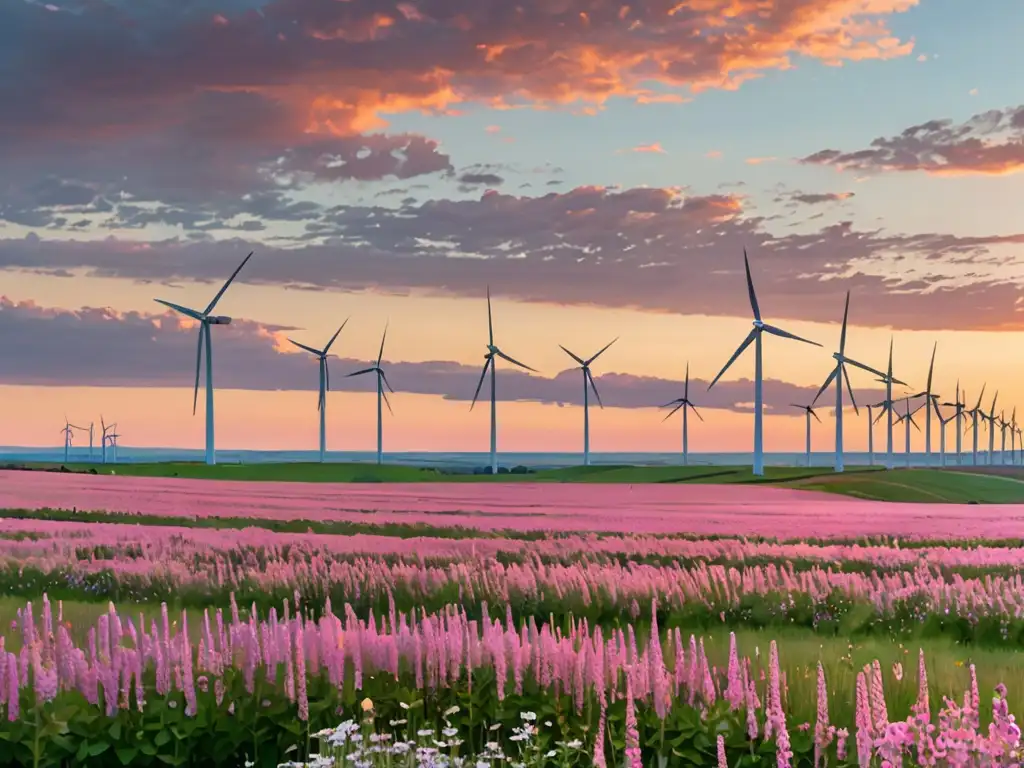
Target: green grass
(901,485)
(921,485)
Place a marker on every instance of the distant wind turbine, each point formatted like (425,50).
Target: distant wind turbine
(492,353)
(942,435)
(588,379)
(68,433)
(959,405)
(871,436)
(205,320)
(1003,424)
(974,413)
(839,375)
(381,395)
(931,400)
(92,424)
(808,412)
(105,438)
(908,418)
(325,384)
(990,417)
(760,327)
(113,443)
(684,403)
(887,408)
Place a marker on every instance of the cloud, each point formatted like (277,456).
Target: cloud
(760,160)
(478,179)
(654,148)
(651,248)
(714,154)
(810,198)
(989,143)
(145,350)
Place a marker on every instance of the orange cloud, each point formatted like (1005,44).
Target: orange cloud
(760,160)
(654,148)
(714,154)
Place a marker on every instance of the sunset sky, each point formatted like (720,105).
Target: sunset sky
(601,166)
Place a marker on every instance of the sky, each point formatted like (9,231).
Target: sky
(601,167)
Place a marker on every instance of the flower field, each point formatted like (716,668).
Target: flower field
(157,638)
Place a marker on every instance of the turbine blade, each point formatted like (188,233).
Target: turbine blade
(846,314)
(849,389)
(503,356)
(305,347)
(329,343)
(183,310)
(490,361)
(387,402)
(931,366)
(231,279)
(593,386)
(199,362)
(673,411)
(602,351)
(327,374)
(863,367)
(573,356)
(750,287)
(938,413)
(490,321)
(801,407)
(695,411)
(787,335)
(380,355)
(815,416)
(388,383)
(829,380)
(686,386)
(360,372)
(978,406)
(914,423)
(737,353)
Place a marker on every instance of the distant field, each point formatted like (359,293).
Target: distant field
(952,485)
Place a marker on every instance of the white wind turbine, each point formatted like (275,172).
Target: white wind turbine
(588,379)
(974,413)
(92,424)
(808,412)
(760,327)
(942,434)
(684,403)
(381,395)
(113,443)
(990,417)
(68,433)
(205,320)
(325,384)
(492,353)
(105,438)
(931,400)
(907,417)
(839,375)
(887,407)
(958,414)
(871,436)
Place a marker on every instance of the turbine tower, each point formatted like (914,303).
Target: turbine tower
(113,443)
(887,408)
(871,437)
(381,395)
(205,320)
(492,353)
(760,327)
(942,435)
(974,413)
(92,424)
(1003,424)
(66,430)
(325,384)
(839,375)
(959,405)
(808,412)
(588,378)
(684,403)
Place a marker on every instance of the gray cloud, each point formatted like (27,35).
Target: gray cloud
(98,347)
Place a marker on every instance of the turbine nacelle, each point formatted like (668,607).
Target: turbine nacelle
(218,320)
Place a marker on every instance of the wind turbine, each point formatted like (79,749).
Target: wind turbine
(105,438)
(381,395)
(887,407)
(68,434)
(959,405)
(205,320)
(990,417)
(684,403)
(975,412)
(930,401)
(588,378)
(808,412)
(908,419)
(325,383)
(493,352)
(1003,424)
(113,443)
(1013,436)
(760,327)
(839,375)
(942,434)
(91,425)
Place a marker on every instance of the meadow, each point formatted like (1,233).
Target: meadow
(447,637)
